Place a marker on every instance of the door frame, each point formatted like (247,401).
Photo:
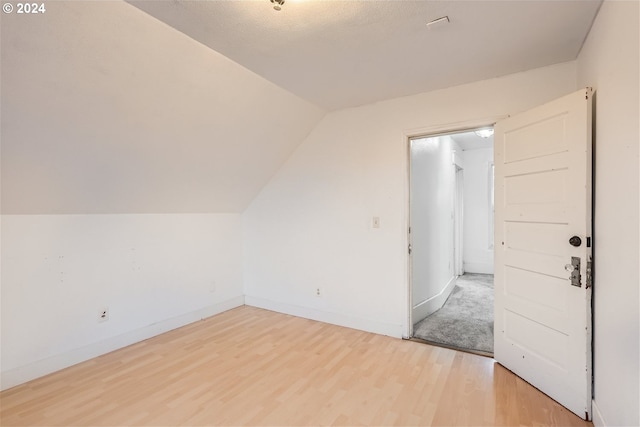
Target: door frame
(407,136)
(458,222)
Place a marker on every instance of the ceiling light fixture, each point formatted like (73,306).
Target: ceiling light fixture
(436,22)
(277,4)
(484,133)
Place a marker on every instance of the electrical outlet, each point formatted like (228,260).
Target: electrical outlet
(103,314)
(318,292)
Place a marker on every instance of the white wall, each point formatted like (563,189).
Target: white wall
(311,225)
(112,119)
(153,272)
(478,255)
(609,62)
(105,109)
(432,237)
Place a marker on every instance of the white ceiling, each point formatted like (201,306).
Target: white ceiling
(338,54)
(471,141)
(106,109)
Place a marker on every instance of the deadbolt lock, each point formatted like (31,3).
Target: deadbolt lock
(575,241)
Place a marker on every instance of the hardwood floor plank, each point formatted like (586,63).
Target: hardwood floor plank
(250,366)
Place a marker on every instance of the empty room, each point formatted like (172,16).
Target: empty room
(207,212)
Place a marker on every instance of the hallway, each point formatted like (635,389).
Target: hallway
(465,322)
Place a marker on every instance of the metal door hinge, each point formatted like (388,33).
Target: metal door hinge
(589,274)
(409,249)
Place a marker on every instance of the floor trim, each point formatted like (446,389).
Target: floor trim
(597,420)
(435,303)
(340,319)
(40,368)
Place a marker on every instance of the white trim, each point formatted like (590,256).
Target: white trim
(457,160)
(433,304)
(491,202)
(598,421)
(406,217)
(340,319)
(458,244)
(478,267)
(52,364)
(454,127)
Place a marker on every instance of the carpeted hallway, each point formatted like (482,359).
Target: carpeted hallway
(466,319)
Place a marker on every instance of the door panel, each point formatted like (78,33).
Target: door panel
(539,295)
(543,198)
(523,144)
(543,187)
(538,238)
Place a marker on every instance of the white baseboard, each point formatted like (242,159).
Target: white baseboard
(598,421)
(433,304)
(46,366)
(478,267)
(339,319)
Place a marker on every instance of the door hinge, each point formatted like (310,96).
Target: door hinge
(409,249)
(589,273)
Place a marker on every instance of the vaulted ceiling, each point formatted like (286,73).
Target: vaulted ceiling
(339,54)
(192,106)
(107,110)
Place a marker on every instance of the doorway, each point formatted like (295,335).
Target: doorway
(543,246)
(451,235)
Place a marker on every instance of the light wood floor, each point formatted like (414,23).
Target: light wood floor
(255,367)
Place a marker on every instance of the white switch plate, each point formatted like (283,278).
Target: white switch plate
(376,222)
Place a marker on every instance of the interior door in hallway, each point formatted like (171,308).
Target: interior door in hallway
(543,248)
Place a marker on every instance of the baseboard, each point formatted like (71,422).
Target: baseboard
(52,364)
(433,304)
(334,318)
(478,268)
(597,420)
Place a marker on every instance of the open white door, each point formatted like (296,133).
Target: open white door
(543,200)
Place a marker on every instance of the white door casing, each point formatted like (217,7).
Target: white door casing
(459,221)
(542,199)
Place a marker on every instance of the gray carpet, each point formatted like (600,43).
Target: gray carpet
(466,319)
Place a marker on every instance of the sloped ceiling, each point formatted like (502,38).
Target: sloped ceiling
(107,110)
(191,106)
(339,54)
